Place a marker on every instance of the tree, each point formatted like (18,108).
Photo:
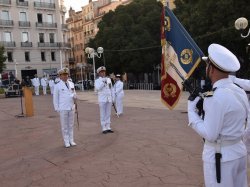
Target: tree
(2,59)
(130,36)
(213,22)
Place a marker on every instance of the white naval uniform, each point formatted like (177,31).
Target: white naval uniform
(119,94)
(245,85)
(63,100)
(44,83)
(36,83)
(51,86)
(225,116)
(103,86)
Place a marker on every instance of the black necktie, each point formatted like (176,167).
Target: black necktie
(66,85)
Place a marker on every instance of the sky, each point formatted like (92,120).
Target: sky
(75,4)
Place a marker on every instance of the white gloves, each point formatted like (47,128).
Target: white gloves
(192,111)
(192,104)
(104,80)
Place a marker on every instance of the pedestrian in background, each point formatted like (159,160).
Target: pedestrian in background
(103,86)
(64,103)
(44,84)
(51,85)
(36,84)
(226,111)
(118,94)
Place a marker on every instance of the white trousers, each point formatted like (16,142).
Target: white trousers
(67,124)
(51,89)
(233,173)
(44,90)
(119,104)
(37,90)
(105,112)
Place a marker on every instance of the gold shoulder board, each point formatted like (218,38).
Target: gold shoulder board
(208,94)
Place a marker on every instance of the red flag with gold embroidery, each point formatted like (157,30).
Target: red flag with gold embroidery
(180,57)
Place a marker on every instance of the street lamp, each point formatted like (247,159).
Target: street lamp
(241,24)
(80,65)
(15,68)
(92,53)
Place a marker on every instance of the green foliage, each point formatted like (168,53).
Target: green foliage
(130,37)
(213,22)
(1,91)
(2,59)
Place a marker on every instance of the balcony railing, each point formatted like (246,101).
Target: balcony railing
(26,44)
(8,44)
(44,5)
(5,2)
(24,3)
(64,27)
(24,24)
(55,44)
(46,24)
(6,22)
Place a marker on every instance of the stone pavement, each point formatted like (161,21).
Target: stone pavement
(151,146)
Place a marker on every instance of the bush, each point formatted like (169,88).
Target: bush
(1,91)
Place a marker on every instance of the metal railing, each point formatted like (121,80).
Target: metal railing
(5,2)
(6,22)
(44,5)
(139,86)
(55,44)
(26,44)
(8,44)
(46,24)
(24,24)
(24,3)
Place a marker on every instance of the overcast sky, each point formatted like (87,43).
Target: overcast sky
(75,4)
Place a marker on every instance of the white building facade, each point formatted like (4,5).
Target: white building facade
(33,35)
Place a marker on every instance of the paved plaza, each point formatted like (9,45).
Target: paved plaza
(151,146)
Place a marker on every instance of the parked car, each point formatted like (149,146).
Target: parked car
(87,84)
(12,90)
(78,85)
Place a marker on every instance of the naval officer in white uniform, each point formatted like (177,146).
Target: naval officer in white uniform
(103,86)
(118,94)
(36,83)
(44,83)
(226,111)
(64,103)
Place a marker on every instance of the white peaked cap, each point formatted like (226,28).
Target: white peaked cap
(222,58)
(63,71)
(102,68)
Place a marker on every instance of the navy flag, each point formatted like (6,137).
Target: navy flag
(180,57)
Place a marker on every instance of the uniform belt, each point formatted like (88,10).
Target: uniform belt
(223,143)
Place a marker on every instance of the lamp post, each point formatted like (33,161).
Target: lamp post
(241,24)
(80,65)
(92,53)
(15,68)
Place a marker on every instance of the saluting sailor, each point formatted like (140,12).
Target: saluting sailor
(103,86)
(118,94)
(226,111)
(63,100)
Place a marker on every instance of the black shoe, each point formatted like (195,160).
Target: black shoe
(110,131)
(105,132)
